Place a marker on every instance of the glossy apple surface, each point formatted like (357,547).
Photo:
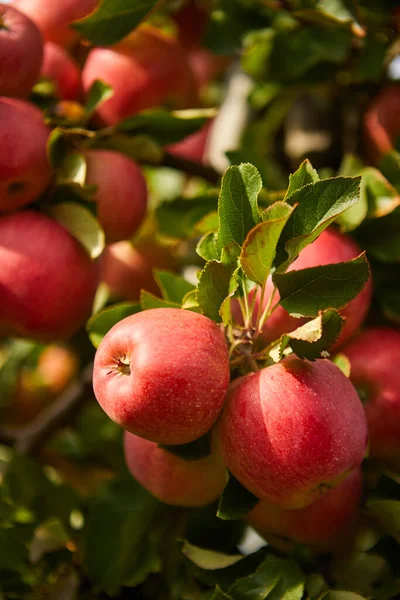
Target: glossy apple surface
(24,169)
(172,479)
(292,431)
(162,374)
(47,280)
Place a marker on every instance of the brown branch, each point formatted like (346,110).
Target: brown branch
(27,439)
(190,167)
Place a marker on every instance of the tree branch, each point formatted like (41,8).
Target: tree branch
(190,167)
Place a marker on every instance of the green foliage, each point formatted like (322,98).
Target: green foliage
(235,501)
(100,323)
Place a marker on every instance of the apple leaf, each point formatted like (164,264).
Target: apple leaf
(206,247)
(304,175)
(98,93)
(173,287)
(166,127)
(148,301)
(140,148)
(101,323)
(319,204)
(238,204)
(388,293)
(80,223)
(342,363)
(195,450)
(308,291)
(189,302)
(382,197)
(381,237)
(178,218)
(258,251)
(387,513)
(72,169)
(236,501)
(209,560)
(112,20)
(15,355)
(326,13)
(220,595)
(337,595)
(313,339)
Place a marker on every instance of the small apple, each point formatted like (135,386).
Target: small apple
(152,69)
(53,17)
(21,52)
(57,366)
(60,68)
(375,374)
(172,479)
(162,374)
(128,269)
(382,122)
(47,280)
(121,195)
(293,431)
(323,525)
(24,169)
(193,147)
(329,248)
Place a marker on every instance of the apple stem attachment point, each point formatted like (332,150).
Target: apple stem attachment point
(123,367)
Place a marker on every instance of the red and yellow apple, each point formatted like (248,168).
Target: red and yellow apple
(121,195)
(293,431)
(162,374)
(62,70)
(21,52)
(194,146)
(24,169)
(47,280)
(172,479)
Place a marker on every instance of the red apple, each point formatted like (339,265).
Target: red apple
(57,366)
(24,169)
(163,374)
(382,122)
(292,431)
(193,147)
(207,66)
(152,69)
(21,52)
(53,17)
(127,269)
(60,68)
(330,247)
(121,195)
(323,525)
(172,479)
(47,280)
(376,375)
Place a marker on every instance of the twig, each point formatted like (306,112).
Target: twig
(28,438)
(190,167)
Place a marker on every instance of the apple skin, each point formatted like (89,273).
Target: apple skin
(24,169)
(150,71)
(60,68)
(162,374)
(382,122)
(292,431)
(323,525)
(127,269)
(21,52)
(193,147)
(329,248)
(53,17)
(57,366)
(374,372)
(121,195)
(171,479)
(47,280)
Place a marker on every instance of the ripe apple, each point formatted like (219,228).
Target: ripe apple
(151,69)
(323,525)
(47,280)
(53,17)
(121,195)
(193,147)
(57,366)
(24,169)
(375,374)
(382,122)
(163,374)
(330,247)
(292,431)
(127,269)
(172,479)
(60,68)
(21,52)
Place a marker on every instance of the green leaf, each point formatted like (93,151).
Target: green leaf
(381,237)
(140,148)
(13,552)
(81,224)
(342,363)
(101,323)
(16,354)
(220,595)
(57,147)
(313,339)
(308,291)
(333,595)
(304,175)
(72,170)
(195,450)
(206,247)
(387,513)
(179,218)
(166,127)
(382,197)
(113,20)
(98,93)
(173,287)
(388,294)
(236,501)
(189,302)
(148,301)
(209,559)
(259,248)
(332,12)
(319,204)
(238,204)
(49,536)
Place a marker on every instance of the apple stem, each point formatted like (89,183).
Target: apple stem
(124,368)
(267,312)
